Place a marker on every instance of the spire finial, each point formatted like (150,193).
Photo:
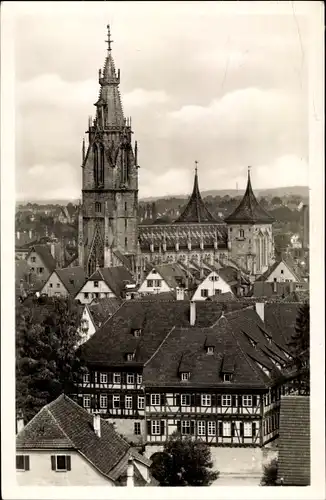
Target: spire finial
(249,168)
(196,166)
(109,41)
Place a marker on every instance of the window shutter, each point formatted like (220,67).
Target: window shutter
(26,459)
(179,426)
(110,377)
(68,458)
(234,400)
(239,400)
(177,399)
(148,427)
(124,378)
(219,400)
(162,427)
(213,400)
(198,401)
(110,401)
(122,400)
(193,400)
(52,462)
(135,402)
(241,429)
(148,399)
(254,428)
(220,428)
(232,429)
(254,401)
(192,427)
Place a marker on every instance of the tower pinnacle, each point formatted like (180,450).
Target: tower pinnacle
(196,167)
(109,41)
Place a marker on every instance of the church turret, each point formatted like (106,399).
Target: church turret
(250,233)
(110,175)
(196,210)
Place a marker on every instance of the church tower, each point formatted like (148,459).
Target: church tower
(108,214)
(250,234)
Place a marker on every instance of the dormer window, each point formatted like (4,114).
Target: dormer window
(136,332)
(71,281)
(95,284)
(227,377)
(241,233)
(210,349)
(185,376)
(130,356)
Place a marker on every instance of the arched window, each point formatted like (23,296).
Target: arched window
(241,233)
(95,154)
(101,173)
(98,207)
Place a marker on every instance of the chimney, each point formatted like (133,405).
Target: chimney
(192,313)
(260,307)
(97,425)
(18,235)
(20,422)
(180,293)
(275,285)
(130,473)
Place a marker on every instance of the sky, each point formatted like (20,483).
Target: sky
(228,90)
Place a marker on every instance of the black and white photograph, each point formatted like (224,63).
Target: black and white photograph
(161,236)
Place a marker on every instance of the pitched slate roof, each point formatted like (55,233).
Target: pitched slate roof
(45,254)
(114,277)
(294,441)
(113,340)
(65,424)
(280,319)
(195,210)
(184,350)
(249,210)
(73,278)
(102,309)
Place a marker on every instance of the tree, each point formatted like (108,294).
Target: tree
(183,462)
(300,349)
(276,200)
(270,474)
(47,333)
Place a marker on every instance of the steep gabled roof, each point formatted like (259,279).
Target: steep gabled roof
(65,424)
(294,441)
(102,309)
(196,210)
(171,274)
(45,254)
(73,278)
(249,210)
(114,277)
(288,263)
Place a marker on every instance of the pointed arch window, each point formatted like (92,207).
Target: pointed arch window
(101,166)
(98,208)
(95,155)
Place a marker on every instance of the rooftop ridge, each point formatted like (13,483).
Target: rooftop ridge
(154,354)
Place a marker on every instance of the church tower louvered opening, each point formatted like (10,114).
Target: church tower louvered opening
(108,214)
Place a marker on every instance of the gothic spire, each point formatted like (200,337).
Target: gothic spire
(196,210)
(109,107)
(249,210)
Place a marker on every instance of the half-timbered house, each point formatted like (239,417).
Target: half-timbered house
(209,370)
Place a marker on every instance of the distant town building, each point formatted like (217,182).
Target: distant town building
(105,283)
(64,282)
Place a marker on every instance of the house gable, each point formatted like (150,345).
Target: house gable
(54,286)
(282,273)
(150,283)
(212,284)
(94,289)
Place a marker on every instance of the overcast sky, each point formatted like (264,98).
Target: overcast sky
(226,90)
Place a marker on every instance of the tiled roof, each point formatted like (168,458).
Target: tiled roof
(45,254)
(186,346)
(114,339)
(294,441)
(280,319)
(126,260)
(170,234)
(157,296)
(195,210)
(249,210)
(102,309)
(172,274)
(289,263)
(114,277)
(65,424)
(73,278)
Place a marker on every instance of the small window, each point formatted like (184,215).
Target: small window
(86,378)
(155,399)
(226,429)
(50,285)
(125,205)
(128,402)
(137,430)
(185,427)
(185,376)
(130,356)
(130,378)
(211,428)
(103,401)
(137,333)
(206,400)
(126,242)
(116,378)
(156,427)
(201,428)
(116,401)
(282,272)
(58,285)
(185,399)
(40,270)
(204,292)
(103,378)
(22,462)
(141,402)
(86,295)
(61,463)
(210,349)
(32,269)
(241,233)
(98,208)
(247,401)
(226,400)
(95,284)
(247,429)
(33,259)
(149,283)
(227,377)
(86,402)
(139,379)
